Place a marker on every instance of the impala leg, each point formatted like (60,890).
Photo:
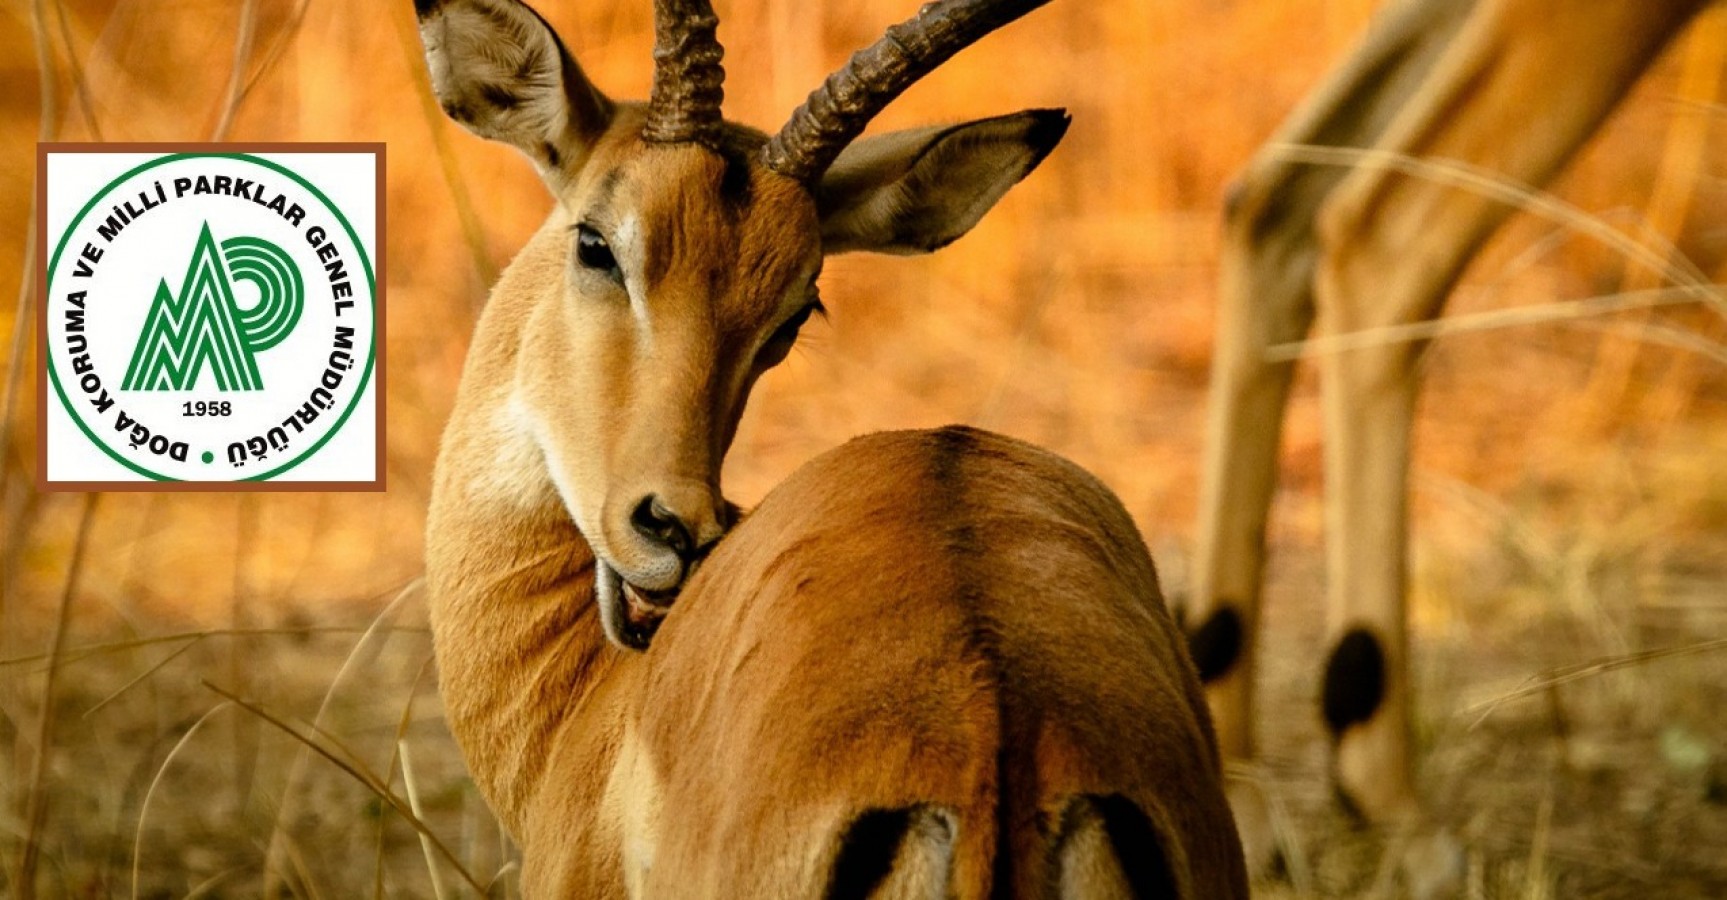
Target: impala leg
(1522,85)
(1266,299)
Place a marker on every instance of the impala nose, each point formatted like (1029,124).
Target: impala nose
(658,523)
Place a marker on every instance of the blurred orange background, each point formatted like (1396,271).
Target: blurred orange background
(1078,315)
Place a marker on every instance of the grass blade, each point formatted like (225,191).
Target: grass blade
(364,778)
(156,781)
(414,804)
(36,802)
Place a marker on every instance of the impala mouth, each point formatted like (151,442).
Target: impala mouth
(630,614)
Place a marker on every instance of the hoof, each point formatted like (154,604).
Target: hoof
(1432,865)
(1253,823)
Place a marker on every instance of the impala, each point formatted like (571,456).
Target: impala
(1507,86)
(930,664)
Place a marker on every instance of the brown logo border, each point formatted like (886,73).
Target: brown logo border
(378,151)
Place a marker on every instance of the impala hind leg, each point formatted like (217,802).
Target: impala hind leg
(1107,849)
(1266,299)
(1521,86)
(896,854)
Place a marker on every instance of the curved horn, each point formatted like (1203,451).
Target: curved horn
(837,112)
(689,81)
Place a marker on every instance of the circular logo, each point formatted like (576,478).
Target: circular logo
(211,317)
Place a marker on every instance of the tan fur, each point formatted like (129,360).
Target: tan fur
(943,619)
(906,668)
(704,322)
(713,254)
(1511,86)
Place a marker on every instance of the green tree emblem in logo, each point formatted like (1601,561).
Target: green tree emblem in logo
(205,324)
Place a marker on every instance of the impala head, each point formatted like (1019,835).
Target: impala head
(690,248)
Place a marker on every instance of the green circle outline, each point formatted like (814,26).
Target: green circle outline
(359,247)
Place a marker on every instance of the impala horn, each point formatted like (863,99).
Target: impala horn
(837,112)
(689,81)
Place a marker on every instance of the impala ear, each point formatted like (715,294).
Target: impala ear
(501,71)
(919,190)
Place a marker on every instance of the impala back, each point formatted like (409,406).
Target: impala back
(931,664)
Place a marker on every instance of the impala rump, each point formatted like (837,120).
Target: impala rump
(945,654)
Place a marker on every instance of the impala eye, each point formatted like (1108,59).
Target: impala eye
(593,252)
(780,343)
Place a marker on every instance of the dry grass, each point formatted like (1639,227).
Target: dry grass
(149,799)
(1572,505)
(1570,672)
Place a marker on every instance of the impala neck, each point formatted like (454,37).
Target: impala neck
(510,579)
